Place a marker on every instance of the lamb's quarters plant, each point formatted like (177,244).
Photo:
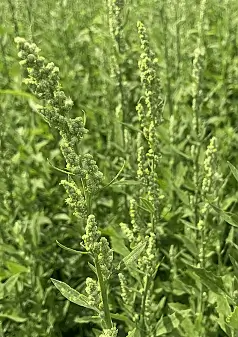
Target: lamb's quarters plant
(43,80)
(161,132)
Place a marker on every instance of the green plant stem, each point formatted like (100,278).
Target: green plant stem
(166,55)
(145,293)
(14,20)
(103,288)
(178,47)
(4,58)
(196,173)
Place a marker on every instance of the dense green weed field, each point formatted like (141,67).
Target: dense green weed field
(119,169)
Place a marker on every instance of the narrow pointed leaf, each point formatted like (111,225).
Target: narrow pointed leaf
(13,318)
(147,205)
(9,285)
(133,256)
(126,183)
(70,249)
(18,93)
(232,320)
(121,317)
(231,218)
(118,246)
(132,333)
(189,244)
(167,325)
(223,307)
(233,170)
(92,268)
(88,319)
(211,281)
(235,265)
(73,295)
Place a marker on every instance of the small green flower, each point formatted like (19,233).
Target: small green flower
(92,235)
(75,198)
(209,168)
(105,258)
(109,332)
(125,292)
(43,81)
(93,291)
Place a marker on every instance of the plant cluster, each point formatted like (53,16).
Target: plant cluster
(119,204)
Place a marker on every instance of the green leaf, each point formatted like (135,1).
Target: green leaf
(130,126)
(61,216)
(117,241)
(16,268)
(189,244)
(183,196)
(122,318)
(133,256)
(167,324)
(70,249)
(1,330)
(18,93)
(13,318)
(180,153)
(10,283)
(88,319)
(179,307)
(235,265)
(233,170)
(118,245)
(73,295)
(126,182)
(116,176)
(147,205)
(189,328)
(92,268)
(180,174)
(223,307)
(133,333)
(232,319)
(211,281)
(157,267)
(231,218)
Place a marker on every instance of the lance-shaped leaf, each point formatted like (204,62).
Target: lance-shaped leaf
(231,218)
(126,183)
(70,249)
(121,317)
(233,170)
(235,265)
(88,319)
(92,268)
(166,325)
(14,318)
(147,205)
(73,295)
(211,281)
(134,333)
(133,256)
(232,319)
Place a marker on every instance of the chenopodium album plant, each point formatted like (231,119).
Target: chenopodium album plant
(145,228)
(84,179)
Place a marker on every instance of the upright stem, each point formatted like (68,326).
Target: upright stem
(166,53)
(103,288)
(5,61)
(178,47)
(14,20)
(145,293)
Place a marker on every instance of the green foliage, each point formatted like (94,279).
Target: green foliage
(119,206)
